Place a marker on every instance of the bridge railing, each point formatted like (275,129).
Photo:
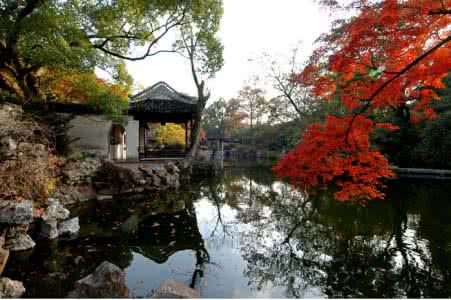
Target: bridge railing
(422,173)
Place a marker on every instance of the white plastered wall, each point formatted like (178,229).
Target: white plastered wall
(132,138)
(93,135)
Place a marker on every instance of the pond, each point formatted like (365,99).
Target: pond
(247,235)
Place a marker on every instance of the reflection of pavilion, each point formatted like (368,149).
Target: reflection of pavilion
(162,235)
(112,232)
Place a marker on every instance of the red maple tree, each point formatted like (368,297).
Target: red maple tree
(391,54)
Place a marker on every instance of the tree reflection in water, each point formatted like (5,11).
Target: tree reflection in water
(116,231)
(246,235)
(315,246)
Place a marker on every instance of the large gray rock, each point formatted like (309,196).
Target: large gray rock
(51,216)
(173,181)
(54,210)
(8,148)
(9,111)
(69,194)
(145,178)
(14,230)
(49,229)
(81,171)
(156,181)
(70,227)
(11,288)
(173,289)
(172,168)
(118,177)
(107,281)
(161,177)
(17,239)
(20,242)
(13,212)
(161,171)
(145,170)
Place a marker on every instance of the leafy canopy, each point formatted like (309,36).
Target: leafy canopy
(391,54)
(83,34)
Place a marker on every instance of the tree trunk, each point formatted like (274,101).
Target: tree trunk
(17,77)
(197,124)
(20,82)
(195,139)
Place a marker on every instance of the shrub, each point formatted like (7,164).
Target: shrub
(29,173)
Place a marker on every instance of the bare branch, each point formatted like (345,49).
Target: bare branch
(441,11)
(111,37)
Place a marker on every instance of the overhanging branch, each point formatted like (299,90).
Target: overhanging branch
(440,11)
(171,22)
(385,84)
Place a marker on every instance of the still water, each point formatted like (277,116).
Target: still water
(247,235)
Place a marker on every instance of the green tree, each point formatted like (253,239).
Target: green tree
(197,41)
(81,34)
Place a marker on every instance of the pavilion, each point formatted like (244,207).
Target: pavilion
(162,104)
(132,140)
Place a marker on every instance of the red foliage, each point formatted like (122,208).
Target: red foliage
(325,154)
(393,53)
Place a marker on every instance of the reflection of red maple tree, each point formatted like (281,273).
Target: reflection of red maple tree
(392,54)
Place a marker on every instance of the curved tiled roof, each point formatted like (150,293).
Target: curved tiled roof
(162,91)
(161,98)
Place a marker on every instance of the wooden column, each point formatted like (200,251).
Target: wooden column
(186,135)
(141,133)
(190,131)
(145,134)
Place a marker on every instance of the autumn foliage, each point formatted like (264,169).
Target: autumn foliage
(76,86)
(391,54)
(80,87)
(325,155)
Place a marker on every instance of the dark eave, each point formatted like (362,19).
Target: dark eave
(161,100)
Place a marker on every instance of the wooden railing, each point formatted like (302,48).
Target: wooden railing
(423,173)
(146,153)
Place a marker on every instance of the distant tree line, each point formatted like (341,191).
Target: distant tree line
(277,124)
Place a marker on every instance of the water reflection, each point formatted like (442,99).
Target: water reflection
(246,235)
(125,233)
(311,247)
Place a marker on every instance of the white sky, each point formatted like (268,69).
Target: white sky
(248,29)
